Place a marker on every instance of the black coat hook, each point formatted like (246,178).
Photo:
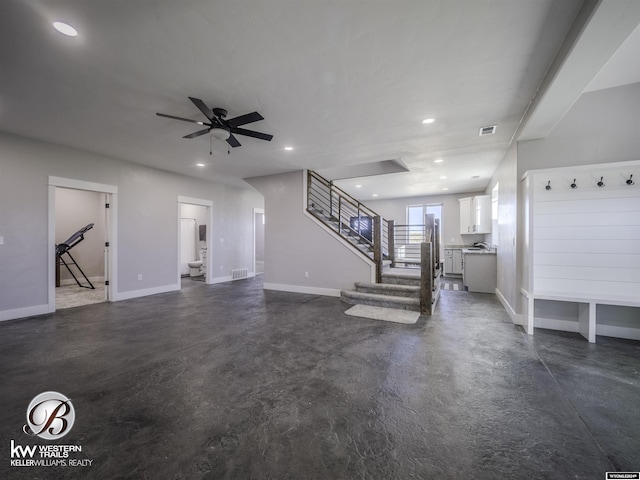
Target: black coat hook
(548,187)
(601,183)
(574,185)
(630,181)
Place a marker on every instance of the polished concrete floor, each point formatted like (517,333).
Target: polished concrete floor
(230,381)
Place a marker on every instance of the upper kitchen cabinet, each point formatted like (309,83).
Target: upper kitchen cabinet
(475,214)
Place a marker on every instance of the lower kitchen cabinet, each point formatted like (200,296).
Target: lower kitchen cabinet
(453,261)
(480,272)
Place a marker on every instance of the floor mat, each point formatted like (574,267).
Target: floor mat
(385,314)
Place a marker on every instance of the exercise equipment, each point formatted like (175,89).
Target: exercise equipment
(63,249)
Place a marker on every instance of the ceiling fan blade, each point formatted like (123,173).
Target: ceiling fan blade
(233,141)
(202,107)
(179,118)
(244,119)
(198,133)
(251,133)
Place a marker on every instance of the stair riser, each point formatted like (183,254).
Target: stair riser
(401,281)
(380,290)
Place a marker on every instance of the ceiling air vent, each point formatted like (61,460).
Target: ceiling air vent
(488,130)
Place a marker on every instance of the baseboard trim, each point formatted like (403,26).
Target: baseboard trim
(327,292)
(619,332)
(145,292)
(555,324)
(515,318)
(23,312)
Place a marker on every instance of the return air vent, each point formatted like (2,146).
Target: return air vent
(488,130)
(240,273)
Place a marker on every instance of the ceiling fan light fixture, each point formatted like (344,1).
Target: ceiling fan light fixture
(220,133)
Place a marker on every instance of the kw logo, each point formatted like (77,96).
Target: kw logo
(18,451)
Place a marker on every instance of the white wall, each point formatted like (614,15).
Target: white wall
(147,226)
(295,243)
(602,127)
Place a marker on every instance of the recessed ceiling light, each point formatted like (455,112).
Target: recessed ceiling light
(445,188)
(374,195)
(443,177)
(438,160)
(200,164)
(428,120)
(65,29)
(288,148)
(358,186)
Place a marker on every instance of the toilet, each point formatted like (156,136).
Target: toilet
(197,268)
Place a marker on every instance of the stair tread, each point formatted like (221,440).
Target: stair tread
(377,296)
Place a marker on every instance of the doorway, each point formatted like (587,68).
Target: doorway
(82,224)
(258,240)
(194,240)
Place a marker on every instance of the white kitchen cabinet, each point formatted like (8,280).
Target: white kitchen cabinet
(465,215)
(475,214)
(453,261)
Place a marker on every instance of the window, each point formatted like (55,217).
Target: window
(416,218)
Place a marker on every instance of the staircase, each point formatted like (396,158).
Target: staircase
(372,236)
(349,218)
(401,291)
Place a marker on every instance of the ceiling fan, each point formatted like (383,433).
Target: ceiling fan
(220,127)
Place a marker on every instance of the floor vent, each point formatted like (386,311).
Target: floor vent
(240,273)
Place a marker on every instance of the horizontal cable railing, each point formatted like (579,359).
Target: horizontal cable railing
(349,217)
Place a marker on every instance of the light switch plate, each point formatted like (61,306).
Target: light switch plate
(1,240)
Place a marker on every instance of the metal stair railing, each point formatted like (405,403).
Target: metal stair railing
(348,217)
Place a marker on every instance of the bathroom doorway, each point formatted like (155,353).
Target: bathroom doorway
(194,234)
(81,238)
(258,240)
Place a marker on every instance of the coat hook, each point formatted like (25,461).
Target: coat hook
(601,183)
(630,181)
(548,187)
(574,185)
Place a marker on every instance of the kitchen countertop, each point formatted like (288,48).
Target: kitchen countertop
(480,252)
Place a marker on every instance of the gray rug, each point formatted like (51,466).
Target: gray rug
(407,317)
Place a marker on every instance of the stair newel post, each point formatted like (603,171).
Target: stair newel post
(377,246)
(426,277)
(391,225)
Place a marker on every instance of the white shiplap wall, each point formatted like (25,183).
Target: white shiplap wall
(585,242)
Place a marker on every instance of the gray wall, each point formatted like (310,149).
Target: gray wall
(295,243)
(147,219)
(74,210)
(602,127)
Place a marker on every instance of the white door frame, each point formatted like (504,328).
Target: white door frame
(111,273)
(209,205)
(255,210)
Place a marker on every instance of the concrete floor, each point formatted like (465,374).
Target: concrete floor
(230,381)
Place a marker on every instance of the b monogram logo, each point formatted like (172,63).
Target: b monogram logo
(50,416)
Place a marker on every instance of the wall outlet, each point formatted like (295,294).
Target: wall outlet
(1,240)
(139,276)
(221,239)
(221,267)
(306,274)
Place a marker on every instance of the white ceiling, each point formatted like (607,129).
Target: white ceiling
(343,82)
